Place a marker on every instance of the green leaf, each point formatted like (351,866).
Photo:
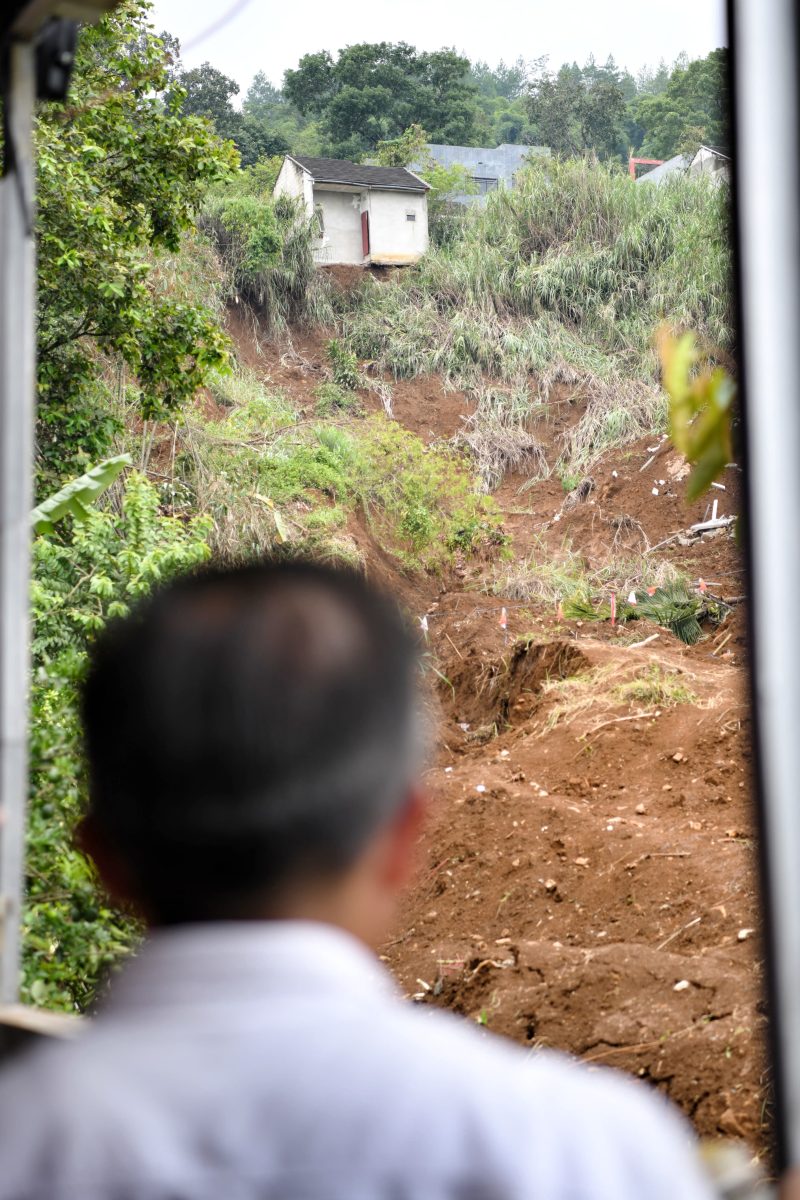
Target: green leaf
(75,497)
(700,403)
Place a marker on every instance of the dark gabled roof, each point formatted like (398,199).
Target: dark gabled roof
(339,170)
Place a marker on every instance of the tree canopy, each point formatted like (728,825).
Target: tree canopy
(689,110)
(122,172)
(581,108)
(208,93)
(373,91)
(345,105)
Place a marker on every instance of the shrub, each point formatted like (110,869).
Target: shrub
(419,499)
(344,365)
(95,571)
(265,247)
(333,398)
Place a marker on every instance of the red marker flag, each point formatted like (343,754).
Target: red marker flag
(503,619)
(613,608)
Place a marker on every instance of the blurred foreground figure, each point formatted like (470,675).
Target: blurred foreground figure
(255,744)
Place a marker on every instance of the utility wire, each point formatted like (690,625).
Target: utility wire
(215,26)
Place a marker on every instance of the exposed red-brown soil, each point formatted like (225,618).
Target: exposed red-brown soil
(587,877)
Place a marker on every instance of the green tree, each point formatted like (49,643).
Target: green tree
(372,92)
(262,98)
(691,109)
(652,81)
(273,125)
(506,81)
(256,141)
(208,93)
(122,172)
(410,147)
(579,109)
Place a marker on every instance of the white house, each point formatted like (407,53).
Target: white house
(365,215)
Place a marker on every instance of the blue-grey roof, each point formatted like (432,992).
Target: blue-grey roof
(499,162)
(659,175)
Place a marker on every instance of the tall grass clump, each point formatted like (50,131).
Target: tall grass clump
(265,248)
(499,438)
(193,274)
(562,280)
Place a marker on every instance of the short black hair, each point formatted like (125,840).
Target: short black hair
(248,728)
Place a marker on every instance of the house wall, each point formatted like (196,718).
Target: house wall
(707,162)
(294,181)
(341,215)
(393,237)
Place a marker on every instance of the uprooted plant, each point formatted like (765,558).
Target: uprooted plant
(498,436)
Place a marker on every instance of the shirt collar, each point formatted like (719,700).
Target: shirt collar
(239,962)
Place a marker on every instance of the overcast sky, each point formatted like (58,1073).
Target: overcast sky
(271,35)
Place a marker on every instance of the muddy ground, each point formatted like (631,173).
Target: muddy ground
(587,878)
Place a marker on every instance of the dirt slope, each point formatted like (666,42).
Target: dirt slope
(587,879)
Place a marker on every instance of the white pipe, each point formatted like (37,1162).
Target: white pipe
(768,194)
(17,362)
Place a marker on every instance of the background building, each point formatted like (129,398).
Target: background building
(488,168)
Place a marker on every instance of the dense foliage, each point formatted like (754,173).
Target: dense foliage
(501,93)
(580,109)
(375,91)
(95,572)
(691,110)
(370,93)
(265,247)
(121,173)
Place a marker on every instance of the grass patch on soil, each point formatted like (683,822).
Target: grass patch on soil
(272,476)
(551,577)
(604,689)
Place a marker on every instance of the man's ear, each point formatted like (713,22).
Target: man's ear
(115,874)
(404,835)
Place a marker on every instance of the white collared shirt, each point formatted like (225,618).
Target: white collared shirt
(274,1061)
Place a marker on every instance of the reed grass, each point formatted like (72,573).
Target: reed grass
(561,281)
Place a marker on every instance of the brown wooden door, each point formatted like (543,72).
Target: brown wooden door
(365,233)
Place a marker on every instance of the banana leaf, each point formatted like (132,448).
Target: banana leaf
(75,498)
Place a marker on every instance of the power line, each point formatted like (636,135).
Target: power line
(220,23)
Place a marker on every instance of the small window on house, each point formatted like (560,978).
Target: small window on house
(411,216)
(484,184)
(319,221)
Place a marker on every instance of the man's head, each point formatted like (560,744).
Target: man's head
(253,741)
